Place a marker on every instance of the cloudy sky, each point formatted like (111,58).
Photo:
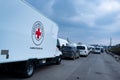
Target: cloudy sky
(86,21)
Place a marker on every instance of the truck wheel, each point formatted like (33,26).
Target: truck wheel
(28,69)
(58,60)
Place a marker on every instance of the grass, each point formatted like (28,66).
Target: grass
(115,49)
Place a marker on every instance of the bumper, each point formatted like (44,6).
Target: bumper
(83,54)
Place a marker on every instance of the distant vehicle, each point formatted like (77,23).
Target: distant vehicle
(27,37)
(70,52)
(83,50)
(91,49)
(61,43)
(102,50)
(97,50)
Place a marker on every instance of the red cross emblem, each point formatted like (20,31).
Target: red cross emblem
(38,33)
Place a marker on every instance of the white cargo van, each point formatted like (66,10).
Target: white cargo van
(83,49)
(27,38)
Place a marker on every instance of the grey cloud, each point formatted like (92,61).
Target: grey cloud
(64,8)
(105,20)
(61,11)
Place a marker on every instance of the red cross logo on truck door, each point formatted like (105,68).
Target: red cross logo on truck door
(37,33)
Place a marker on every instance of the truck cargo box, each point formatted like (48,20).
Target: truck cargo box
(25,34)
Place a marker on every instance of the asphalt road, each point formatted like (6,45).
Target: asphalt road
(94,67)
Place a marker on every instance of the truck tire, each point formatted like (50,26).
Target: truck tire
(28,69)
(58,60)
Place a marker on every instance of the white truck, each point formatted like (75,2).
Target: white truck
(27,38)
(62,42)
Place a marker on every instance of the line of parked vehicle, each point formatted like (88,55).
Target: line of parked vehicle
(73,50)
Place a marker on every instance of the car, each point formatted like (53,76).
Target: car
(83,50)
(70,52)
(102,50)
(97,50)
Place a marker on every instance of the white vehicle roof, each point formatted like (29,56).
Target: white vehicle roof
(63,42)
(73,44)
(91,46)
(82,45)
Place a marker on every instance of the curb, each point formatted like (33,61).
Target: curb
(117,58)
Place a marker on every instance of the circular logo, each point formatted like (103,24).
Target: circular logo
(37,33)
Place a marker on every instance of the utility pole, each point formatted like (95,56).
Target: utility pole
(68,40)
(110,41)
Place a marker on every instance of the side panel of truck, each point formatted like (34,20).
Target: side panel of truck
(17,21)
